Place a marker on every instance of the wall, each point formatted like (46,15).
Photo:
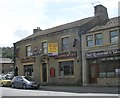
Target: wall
(52,62)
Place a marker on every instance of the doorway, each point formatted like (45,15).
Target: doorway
(93,71)
(44,72)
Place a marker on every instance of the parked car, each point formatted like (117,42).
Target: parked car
(4,81)
(9,76)
(24,82)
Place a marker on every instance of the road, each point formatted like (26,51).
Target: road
(7,91)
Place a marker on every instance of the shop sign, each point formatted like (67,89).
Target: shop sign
(52,72)
(28,60)
(102,53)
(67,54)
(52,49)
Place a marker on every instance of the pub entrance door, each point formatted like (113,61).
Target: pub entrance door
(44,72)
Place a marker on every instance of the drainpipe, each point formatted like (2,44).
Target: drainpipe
(14,61)
(80,55)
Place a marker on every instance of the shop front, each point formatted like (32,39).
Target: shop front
(104,67)
(28,66)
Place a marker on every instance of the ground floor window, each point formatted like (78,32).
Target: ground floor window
(28,70)
(66,68)
(109,67)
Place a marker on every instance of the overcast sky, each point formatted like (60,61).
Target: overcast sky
(19,17)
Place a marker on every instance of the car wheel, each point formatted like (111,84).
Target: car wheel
(24,86)
(2,84)
(13,86)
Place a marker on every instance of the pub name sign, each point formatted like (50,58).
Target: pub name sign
(102,53)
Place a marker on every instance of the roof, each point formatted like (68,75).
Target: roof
(113,22)
(60,28)
(5,60)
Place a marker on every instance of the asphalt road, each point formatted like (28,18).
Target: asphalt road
(7,92)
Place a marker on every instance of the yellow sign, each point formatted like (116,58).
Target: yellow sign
(52,49)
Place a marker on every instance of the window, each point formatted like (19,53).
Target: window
(109,67)
(113,36)
(28,50)
(45,47)
(98,39)
(65,43)
(90,41)
(28,70)
(66,68)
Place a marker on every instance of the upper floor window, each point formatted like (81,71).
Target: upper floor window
(90,41)
(98,39)
(65,43)
(113,36)
(28,50)
(45,47)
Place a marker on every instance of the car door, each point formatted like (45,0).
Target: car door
(20,82)
(15,81)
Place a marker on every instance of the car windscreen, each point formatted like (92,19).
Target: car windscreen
(29,78)
(2,78)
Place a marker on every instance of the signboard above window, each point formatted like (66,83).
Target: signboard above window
(103,53)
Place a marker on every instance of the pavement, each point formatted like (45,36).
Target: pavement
(83,89)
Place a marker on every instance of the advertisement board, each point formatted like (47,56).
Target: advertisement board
(52,49)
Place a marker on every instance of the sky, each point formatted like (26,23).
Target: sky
(19,17)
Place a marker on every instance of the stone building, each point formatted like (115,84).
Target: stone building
(6,65)
(56,56)
(101,53)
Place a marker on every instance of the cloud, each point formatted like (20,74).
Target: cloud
(21,33)
(19,17)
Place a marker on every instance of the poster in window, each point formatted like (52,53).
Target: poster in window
(52,72)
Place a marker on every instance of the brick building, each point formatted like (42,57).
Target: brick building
(60,55)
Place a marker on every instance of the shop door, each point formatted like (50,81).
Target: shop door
(93,73)
(44,72)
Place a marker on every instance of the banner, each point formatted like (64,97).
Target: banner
(52,49)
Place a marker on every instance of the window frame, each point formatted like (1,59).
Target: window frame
(108,72)
(114,36)
(45,48)
(28,70)
(28,51)
(91,40)
(62,70)
(65,44)
(98,39)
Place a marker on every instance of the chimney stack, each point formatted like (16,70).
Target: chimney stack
(101,12)
(36,30)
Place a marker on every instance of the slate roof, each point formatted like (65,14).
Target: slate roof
(59,28)
(5,60)
(113,22)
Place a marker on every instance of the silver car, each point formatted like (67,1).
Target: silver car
(24,82)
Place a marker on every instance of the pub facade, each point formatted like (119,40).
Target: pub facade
(58,56)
